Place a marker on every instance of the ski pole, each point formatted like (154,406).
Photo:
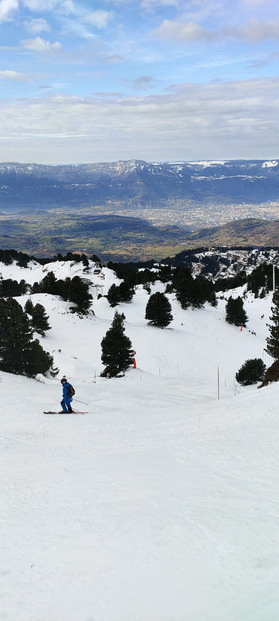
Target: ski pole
(78,400)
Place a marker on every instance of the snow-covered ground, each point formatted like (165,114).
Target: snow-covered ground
(161,503)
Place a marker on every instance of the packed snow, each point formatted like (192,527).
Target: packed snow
(159,504)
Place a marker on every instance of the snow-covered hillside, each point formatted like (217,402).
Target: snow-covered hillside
(161,503)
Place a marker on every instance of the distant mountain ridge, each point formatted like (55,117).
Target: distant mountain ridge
(25,186)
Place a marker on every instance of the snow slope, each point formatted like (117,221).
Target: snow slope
(160,504)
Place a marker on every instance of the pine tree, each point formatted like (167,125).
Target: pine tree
(121,293)
(117,353)
(165,273)
(158,310)
(29,307)
(181,283)
(113,295)
(48,284)
(18,352)
(37,360)
(235,312)
(126,292)
(39,319)
(272,347)
(79,294)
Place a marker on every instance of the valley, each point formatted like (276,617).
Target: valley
(135,210)
(124,237)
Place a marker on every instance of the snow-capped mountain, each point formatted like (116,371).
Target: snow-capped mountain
(34,185)
(160,503)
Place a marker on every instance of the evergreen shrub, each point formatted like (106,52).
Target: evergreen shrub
(251,372)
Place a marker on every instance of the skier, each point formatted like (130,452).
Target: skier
(67,399)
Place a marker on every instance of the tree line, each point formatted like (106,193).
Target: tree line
(17,342)
(75,290)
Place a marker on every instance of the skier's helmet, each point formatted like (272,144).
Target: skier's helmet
(63,381)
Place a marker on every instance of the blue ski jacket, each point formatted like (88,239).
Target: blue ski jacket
(65,391)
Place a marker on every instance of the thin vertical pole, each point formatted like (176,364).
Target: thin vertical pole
(273,278)
(218,383)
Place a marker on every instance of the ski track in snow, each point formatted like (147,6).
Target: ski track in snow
(161,503)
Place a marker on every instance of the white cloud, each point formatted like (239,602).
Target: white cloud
(64,7)
(73,26)
(40,45)
(211,121)
(99,19)
(116,59)
(150,4)
(39,5)
(185,31)
(36,26)
(192,10)
(253,31)
(14,76)
(6,8)
(256,31)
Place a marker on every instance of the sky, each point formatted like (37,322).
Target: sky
(158,80)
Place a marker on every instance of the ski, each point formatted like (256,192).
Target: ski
(66,413)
